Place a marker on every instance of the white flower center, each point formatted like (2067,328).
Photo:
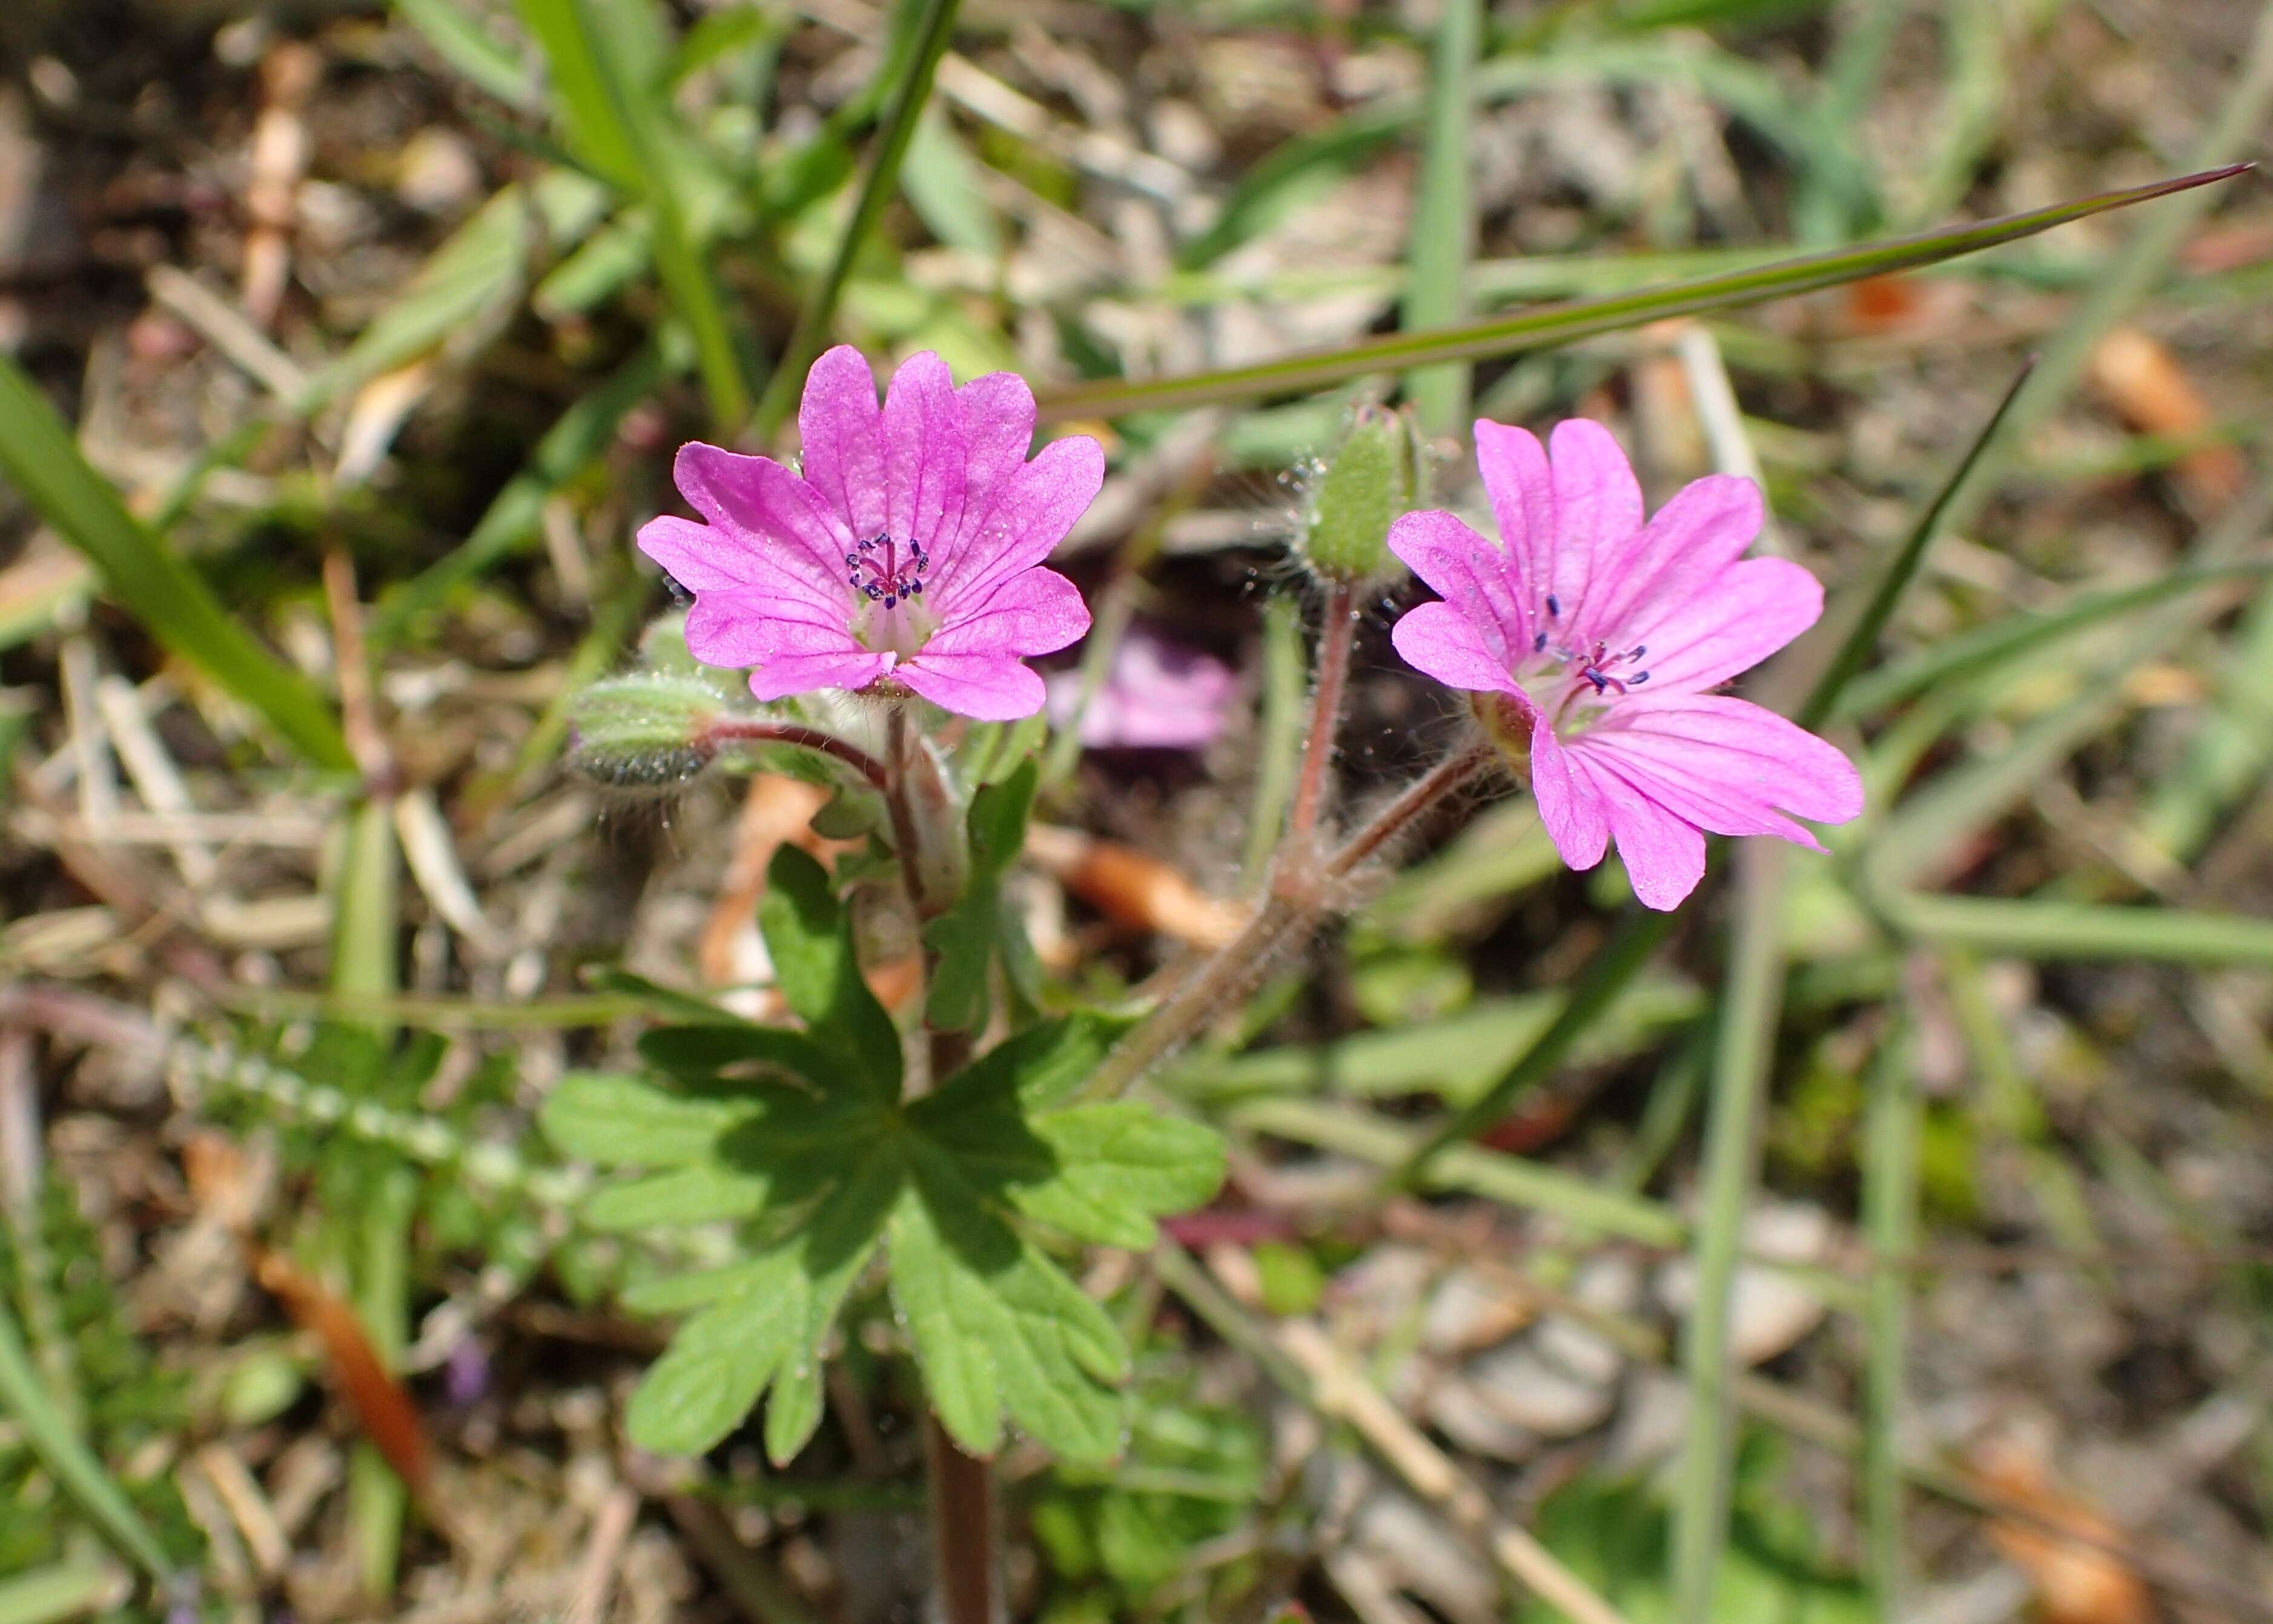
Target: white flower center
(886,579)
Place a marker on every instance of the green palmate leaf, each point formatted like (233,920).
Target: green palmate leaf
(1098,1172)
(706,1192)
(999,1328)
(39,455)
(718,1054)
(996,1326)
(965,938)
(809,936)
(1040,1067)
(615,1121)
(1562,324)
(719,1362)
(1116,1166)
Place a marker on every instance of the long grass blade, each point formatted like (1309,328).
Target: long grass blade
(1863,636)
(1939,819)
(1565,323)
(69,1589)
(513,517)
(2057,931)
(1444,218)
(620,129)
(66,1456)
(1890,1153)
(153,584)
(921,66)
(1987,647)
(1752,1003)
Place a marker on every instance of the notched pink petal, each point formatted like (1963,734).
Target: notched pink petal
(795,674)
(1469,574)
(925,459)
(698,556)
(997,414)
(1517,480)
(1038,612)
(1664,855)
(1705,528)
(1735,621)
(841,427)
(1598,509)
(1029,514)
(984,687)
(1741,747)
(1569,803)
(1439,641)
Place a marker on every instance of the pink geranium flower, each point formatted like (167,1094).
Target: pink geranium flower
(906,551)
(1605,636)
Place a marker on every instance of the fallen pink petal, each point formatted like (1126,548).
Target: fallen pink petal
(1606,635)
(908,551)
(1157,695)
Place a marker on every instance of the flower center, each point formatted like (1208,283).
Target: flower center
(879,574)
(889,579)
(1558,674)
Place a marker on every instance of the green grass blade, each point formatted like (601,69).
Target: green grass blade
(1279,731)
(2231,749)
(1890,1172)
(1986,647)
(1519,1183)
(1564,323)
(458,40)
(921,66)
(1752,1003)
(1863,636)
(1592,991)
(156,587)
(1941,817)
(476,272)
(512,518)
(606,71)
(2144,259)
(2055,930)
(69,1589)
(66,1456)
(1443,216)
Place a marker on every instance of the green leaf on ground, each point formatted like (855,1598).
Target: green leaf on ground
(809,936)
(955,1178)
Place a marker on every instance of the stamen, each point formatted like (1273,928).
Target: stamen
(1553,607)
(1637,679)
(1539,644)
(891,582)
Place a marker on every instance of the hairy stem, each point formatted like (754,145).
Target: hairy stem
(1303,889)
(1336,637)
(963,1529)
(751,731)
(965,1559)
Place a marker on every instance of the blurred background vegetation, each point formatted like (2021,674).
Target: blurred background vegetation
(1886,1239)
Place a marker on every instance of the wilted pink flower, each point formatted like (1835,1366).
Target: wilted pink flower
(908,548)
(1155,696)
(1608,636)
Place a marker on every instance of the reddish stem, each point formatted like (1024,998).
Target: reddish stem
(749,729)
(1336,637)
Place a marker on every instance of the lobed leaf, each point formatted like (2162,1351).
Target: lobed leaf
(809,936)
(612,1120)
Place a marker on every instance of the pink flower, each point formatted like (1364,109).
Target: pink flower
(1606,635)
(1155,696)
(909,548)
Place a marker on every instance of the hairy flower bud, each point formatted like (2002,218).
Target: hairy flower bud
(644,732)
(1372,480)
